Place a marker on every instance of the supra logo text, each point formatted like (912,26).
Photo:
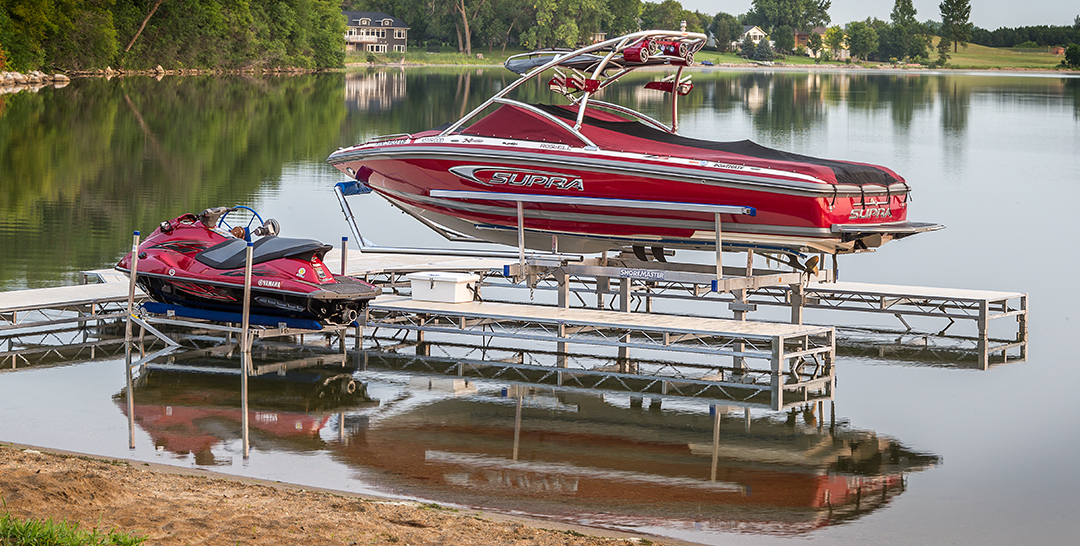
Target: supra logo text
(503,176)
(870,212)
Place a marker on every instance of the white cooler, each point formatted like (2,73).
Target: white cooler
(442,286)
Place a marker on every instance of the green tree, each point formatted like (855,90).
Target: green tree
(726,29)
(747,47)
(797,14)
(327,29)
(1072,56)
(624,16)
(862,39)
(565,23)
(815,43)
(943,50)
(28,25)
(764,51)
(511,16)
(693,21)
(785,39)
(954,22)
(903,13)
(663,16)
(834,38)
(469,14)
(85,35)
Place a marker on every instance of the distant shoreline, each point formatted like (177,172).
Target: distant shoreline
(749,66)
(14,82)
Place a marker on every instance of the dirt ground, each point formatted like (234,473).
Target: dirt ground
(176,506)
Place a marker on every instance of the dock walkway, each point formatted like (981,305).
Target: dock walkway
(801,358)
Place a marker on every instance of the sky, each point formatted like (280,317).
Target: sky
(988,14)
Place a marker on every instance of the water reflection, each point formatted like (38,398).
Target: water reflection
(598,458)
(374,90)
(621,461)
(84,165)
(195,408)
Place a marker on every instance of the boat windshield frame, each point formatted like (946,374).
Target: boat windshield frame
(693,40)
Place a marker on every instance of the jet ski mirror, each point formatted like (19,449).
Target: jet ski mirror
(270,227)
(210,217)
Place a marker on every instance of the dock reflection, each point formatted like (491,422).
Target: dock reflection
(196,407)
(625,462)
(608,459)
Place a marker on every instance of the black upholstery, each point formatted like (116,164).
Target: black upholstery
(232,253)
(846,172)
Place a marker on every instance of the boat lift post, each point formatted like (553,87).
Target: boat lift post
(127,336)
(245,346)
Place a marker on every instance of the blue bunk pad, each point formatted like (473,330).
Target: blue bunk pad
(235,318)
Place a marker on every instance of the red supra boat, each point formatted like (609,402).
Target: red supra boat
(194,261)
(598,176)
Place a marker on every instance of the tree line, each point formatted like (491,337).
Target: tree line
(1036,36)
(139,34)
(176,34)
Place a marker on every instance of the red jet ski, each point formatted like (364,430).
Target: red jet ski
(197,260)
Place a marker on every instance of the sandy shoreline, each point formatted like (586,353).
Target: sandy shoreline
(173,505)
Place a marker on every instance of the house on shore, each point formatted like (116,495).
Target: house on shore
(802,37)
(749,31)
(375,32)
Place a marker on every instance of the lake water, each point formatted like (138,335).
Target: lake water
(959,456)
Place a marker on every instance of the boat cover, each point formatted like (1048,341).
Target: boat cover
(610,132)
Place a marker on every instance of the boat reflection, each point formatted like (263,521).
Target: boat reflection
(613,459)
(196,408)
(621,461)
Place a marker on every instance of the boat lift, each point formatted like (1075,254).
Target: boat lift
(743,288)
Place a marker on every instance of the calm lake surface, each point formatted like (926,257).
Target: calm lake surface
(958,456)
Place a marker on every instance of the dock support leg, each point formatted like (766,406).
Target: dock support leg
(984,334)
(564,302)
(740,313)
(517,423)
(624,306)
(1022,327)
(715,443)
(521,236)
(603,286)
(798,296)
(777,380)
(245,353)
(719,248)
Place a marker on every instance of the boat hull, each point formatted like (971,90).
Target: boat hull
(201,293)
(793,211)
(185,263)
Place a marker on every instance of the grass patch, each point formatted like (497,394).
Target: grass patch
(971,56)
(977,56)
(14,532)
(421,57)
(437,506)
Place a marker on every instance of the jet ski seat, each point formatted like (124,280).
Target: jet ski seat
(231,254)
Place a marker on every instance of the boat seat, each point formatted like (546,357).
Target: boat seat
(231,254)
